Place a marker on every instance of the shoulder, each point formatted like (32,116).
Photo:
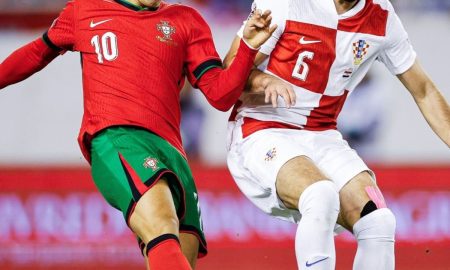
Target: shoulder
(392,20)
(186,15)
(187,18)
(184,10)
(385,5)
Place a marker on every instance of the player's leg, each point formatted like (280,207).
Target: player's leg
(138,173)
(190,245)
(362,206)
(364,212)
(155,221)
(272,168)
(301,185)
(193,242)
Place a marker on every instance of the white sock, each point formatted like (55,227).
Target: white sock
(314,241)
(375,234)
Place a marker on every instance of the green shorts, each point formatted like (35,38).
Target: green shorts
(128,161)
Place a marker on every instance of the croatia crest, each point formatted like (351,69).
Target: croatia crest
(271,154)
(360,49)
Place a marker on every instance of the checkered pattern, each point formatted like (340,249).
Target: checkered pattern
(323,73)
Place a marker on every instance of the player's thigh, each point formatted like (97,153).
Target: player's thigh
(126,162)
(354,196)
(190,245)
(155,214)
(127,166)
(294,177)
(348,171)
(272,168)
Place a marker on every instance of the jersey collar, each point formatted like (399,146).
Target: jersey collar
(353,11)
(134,7)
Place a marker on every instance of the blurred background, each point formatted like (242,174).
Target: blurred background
(52,217)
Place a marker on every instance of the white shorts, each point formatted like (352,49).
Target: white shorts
(254,162)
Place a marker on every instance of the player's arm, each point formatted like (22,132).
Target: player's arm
(222,87)
(401,59)
(429,99)
(261,88)
(26,61)
(36,55)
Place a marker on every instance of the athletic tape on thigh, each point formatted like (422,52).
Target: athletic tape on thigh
(376,196)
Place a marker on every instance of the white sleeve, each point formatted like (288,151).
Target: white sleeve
(279,14)
(398,54)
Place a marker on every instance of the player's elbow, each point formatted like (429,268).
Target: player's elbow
(222,101)
(221,106)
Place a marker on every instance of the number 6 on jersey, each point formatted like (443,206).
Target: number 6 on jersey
(108,49)
(301,65)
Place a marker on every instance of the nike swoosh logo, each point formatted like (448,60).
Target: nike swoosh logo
(306,42)
(313,263)
(93,24)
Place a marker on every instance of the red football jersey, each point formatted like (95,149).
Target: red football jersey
(134,62)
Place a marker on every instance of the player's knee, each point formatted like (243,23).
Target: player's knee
(387,222)
(163,225)
(151,227)
(320,199)
(377,225)
(158,240)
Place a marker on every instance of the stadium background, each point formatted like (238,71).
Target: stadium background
(51,216)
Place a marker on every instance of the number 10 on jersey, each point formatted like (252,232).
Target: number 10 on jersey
(105,47)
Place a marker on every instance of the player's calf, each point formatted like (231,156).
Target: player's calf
(375,234)
(314,241)
(164,253)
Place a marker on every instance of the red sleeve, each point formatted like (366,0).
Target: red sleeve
(201,54)
(25,61)
(223,88)
(61,35)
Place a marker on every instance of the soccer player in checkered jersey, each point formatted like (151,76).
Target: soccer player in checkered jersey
(291,161)
(135,56)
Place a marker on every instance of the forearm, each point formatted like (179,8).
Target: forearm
(25,61)
(254,93)
(257,81)
(222,88)
(436,111)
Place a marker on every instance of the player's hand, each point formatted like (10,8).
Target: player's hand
(257,30)
(275,88)
(269,92)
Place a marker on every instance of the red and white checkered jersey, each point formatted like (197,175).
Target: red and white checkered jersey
(324,55)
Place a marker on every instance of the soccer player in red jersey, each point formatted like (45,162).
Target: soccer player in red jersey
(290,160)
(135,57)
